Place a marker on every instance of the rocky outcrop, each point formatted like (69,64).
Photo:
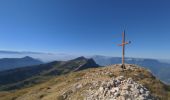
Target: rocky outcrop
(115,88)
(118,88)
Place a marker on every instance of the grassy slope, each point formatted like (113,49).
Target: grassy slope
(54,88)
(41,73)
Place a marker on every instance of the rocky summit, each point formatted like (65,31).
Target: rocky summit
(118,88)
(104,83)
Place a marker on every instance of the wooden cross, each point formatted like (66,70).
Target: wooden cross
(123,49)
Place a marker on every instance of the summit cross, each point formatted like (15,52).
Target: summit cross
(123,49)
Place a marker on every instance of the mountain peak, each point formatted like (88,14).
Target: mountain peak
(27,57)
(12,63)
(80,58)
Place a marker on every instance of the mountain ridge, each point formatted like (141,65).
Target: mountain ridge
(78,85)
(20,77)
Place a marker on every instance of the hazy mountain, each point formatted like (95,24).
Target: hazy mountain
(25,76)
(105,83)
(160,69)
(11,63)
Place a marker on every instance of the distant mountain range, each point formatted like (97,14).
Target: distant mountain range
(45,57)
(12,63)
(158,68)
(27,76)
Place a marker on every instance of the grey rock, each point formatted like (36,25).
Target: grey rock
(141,90)
(119,88)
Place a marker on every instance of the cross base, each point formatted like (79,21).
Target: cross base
(123,66)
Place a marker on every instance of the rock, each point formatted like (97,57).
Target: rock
(147,93)
(116,94)
(141,90)
(129,81)
(128,99)
(79,86)
(101,89)
(113,90)
(119,88)
(120,78)
(135,91)
(126,87)
(141,97)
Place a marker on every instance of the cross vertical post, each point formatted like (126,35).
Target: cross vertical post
(123,49)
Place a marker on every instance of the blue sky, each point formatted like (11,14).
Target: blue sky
(86,27)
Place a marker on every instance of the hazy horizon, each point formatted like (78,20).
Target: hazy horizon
(46,57)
